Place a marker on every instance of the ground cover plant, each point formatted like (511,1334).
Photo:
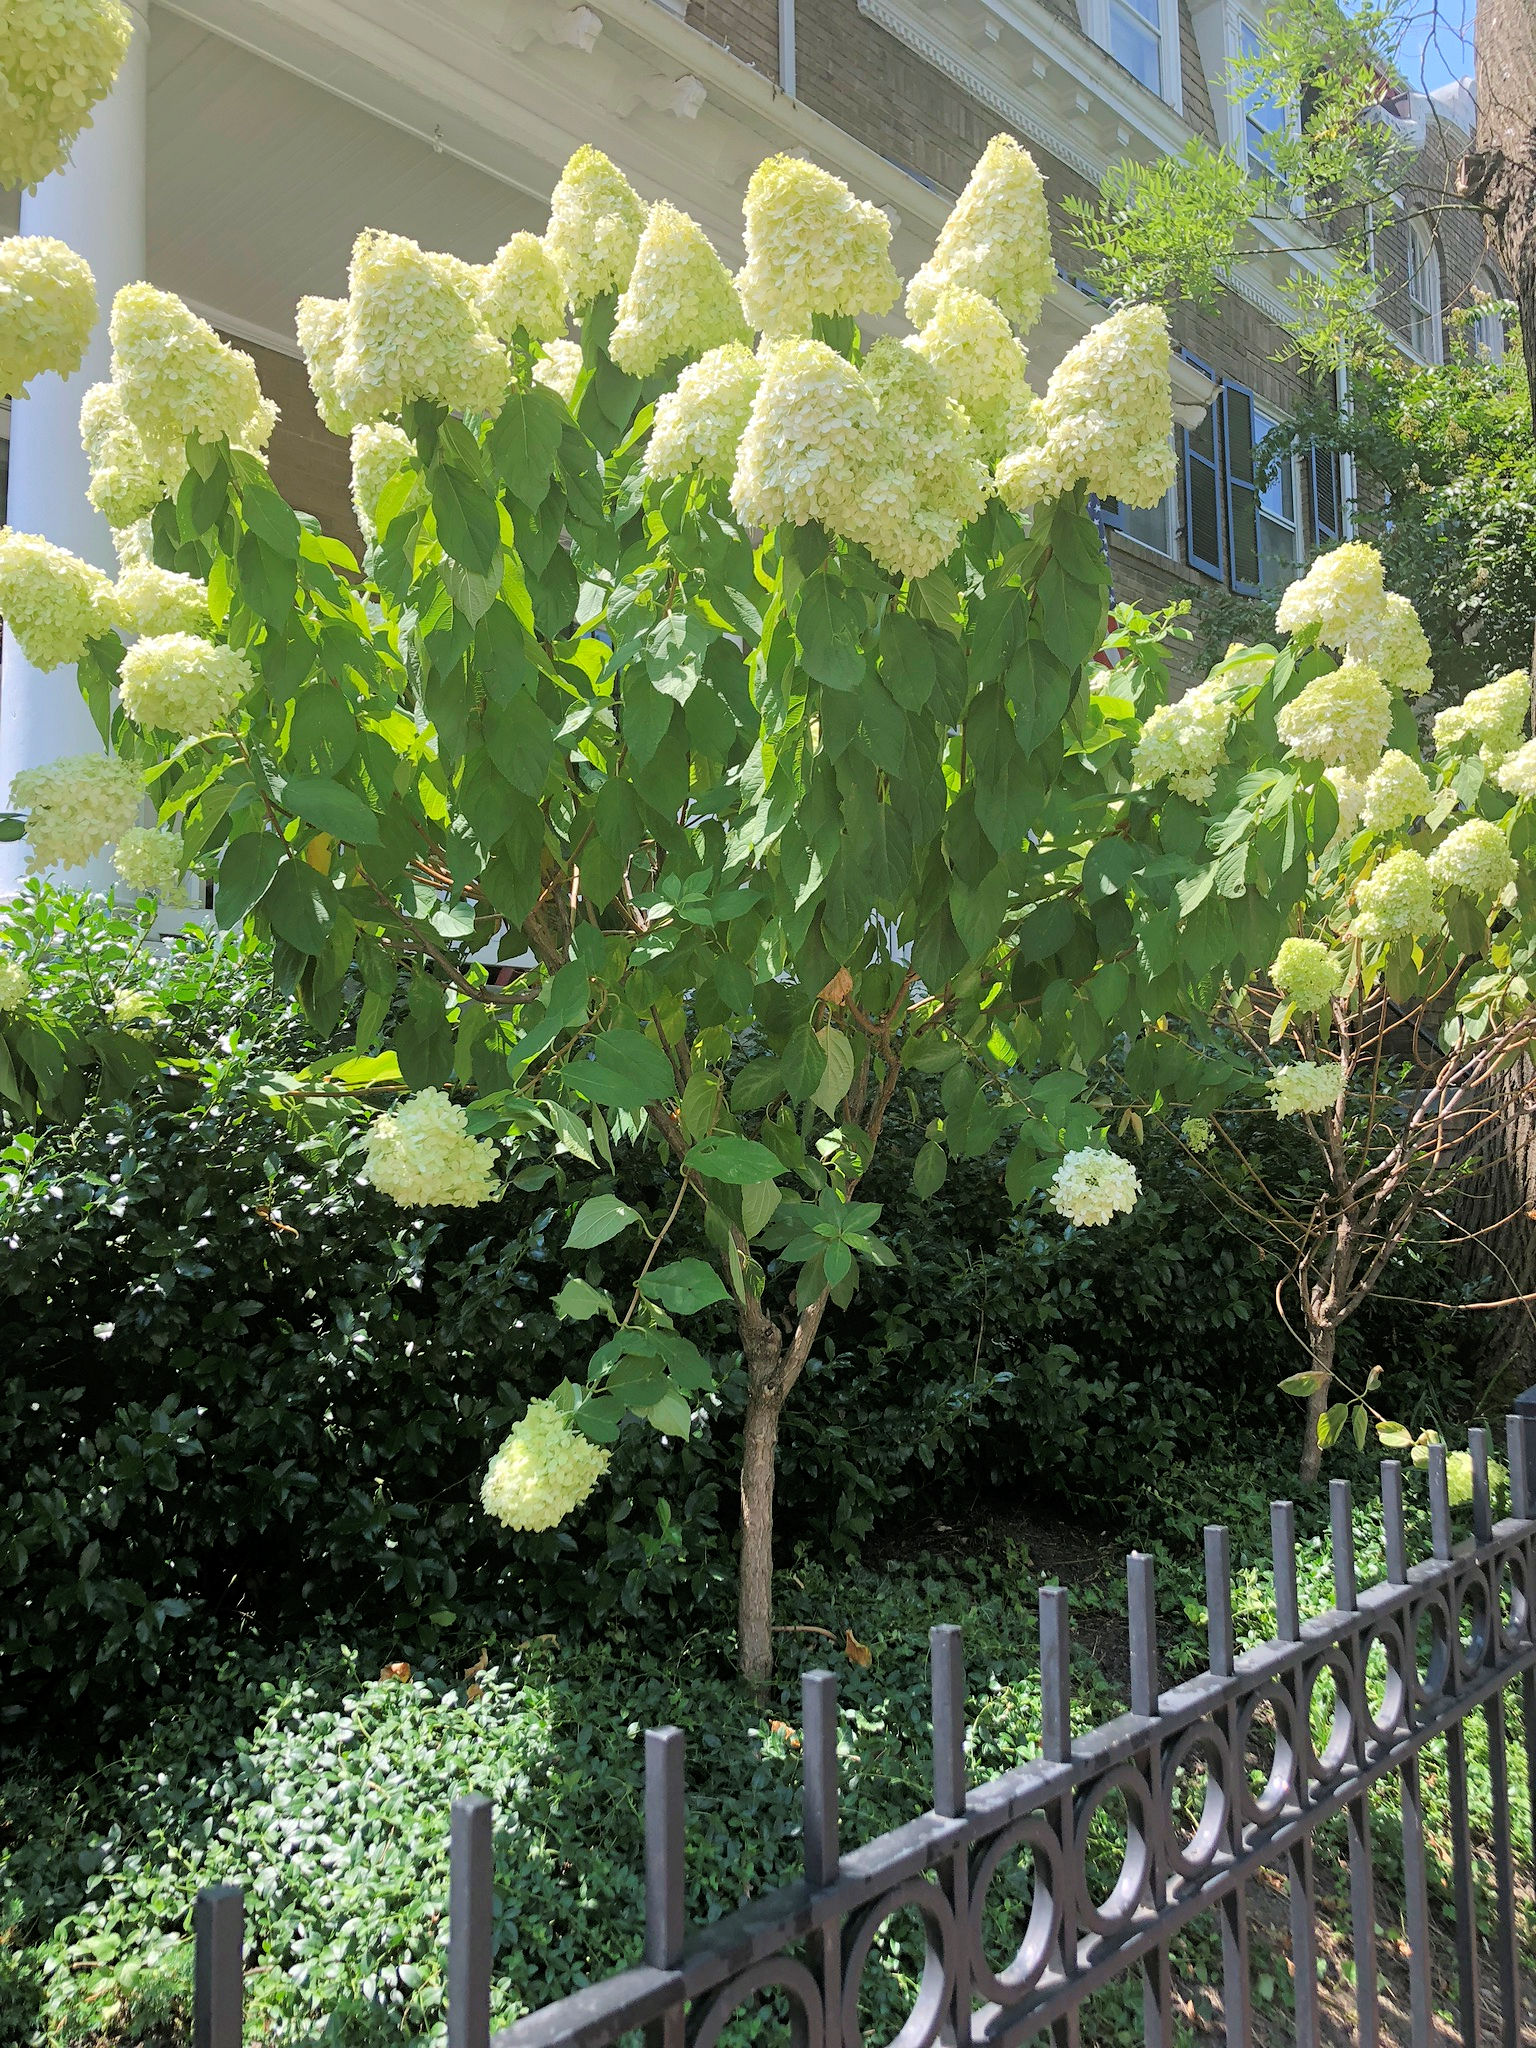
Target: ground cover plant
(323,1787)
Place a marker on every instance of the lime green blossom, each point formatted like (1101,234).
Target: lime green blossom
(679,300)
(544,1470)
(53,604)
(180,683)
(996,241)
(1307,973)
(812,247)
(596,218)
(1092,1186)
(76,806)
(47,310)
(422,1156)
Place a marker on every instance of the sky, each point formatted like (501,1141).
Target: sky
(1436,45)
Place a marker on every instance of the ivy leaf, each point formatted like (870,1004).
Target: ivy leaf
(597,1220)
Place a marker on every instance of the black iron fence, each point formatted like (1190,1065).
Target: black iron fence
(1278,1740)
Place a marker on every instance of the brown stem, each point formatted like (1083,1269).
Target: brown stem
(1323,1340)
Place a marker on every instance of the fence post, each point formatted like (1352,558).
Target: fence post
(947,1660)
(1055,1675)
(471,1901)
(1141,1597)
(218,1999)
(818,1738)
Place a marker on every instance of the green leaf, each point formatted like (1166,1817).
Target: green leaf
(741,1162)
(829,624)
(524,442)
(303,909)
(671,1414)
(837,1078)
(758,1203)
(597,1220)
(332,807)
(245,875)
(684,1286)
(468,523)
(577,1302)
(625,1071)
(929,1169)
(1302,1383)
(906,661)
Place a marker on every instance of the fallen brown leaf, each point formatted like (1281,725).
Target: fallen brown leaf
(400,1674)
(857,1652)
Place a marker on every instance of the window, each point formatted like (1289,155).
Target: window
(1423,295)
(1143,35)
(1261,519)
(1152,525)
(1263,121)
(1488,328)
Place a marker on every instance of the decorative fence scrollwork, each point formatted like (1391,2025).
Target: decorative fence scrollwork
(1282,1738)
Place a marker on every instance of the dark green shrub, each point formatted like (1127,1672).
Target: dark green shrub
(241,1390)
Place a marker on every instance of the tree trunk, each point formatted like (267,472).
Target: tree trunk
(1498,1200)
(1499,173)
(1324,1337)
(760,1436)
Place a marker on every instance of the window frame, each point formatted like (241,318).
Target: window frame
(1190,459)
(1489,350)
(1170,90)
(1423,267)
(1168,547)
(1240,23)
(1234,486)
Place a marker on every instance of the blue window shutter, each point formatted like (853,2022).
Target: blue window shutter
(1327,495)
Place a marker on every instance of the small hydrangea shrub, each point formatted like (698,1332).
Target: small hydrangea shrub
(1392,1020)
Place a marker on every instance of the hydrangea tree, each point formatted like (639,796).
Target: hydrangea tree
(711,739)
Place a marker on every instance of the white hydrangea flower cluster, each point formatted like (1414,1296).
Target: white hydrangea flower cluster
(1197,1133)
(134,544)
(1475,859)
(699,425)
(422,1156)
(545,1469)
(175,378)
(15,985)
(379,453)
(52,602)
(1350,791)
(134,1006)
(932,482)
(1516,774)
(996,241)
(520,290)
(1341,594)
(1395,791)
(812,247)
(1492,719)
(559,368)
(76,806)
(1344,595)
(410,328)
(47,310)
(679,300)
(179,683)
(321,327)
(1306,1088)
(1396,901)
(969,342)
(1092,1186)
(1341,719)
(125,485)
(1394,644)
(1307,973)
(596,219)
(805,451)
(58,58)
(1107,418)
(153,600)
(150,863)
(1185,742)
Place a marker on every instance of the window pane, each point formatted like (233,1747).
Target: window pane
(1277,552)
(1150,527)
(1134,44)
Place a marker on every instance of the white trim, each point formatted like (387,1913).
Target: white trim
(1423,264)
(1137,107)
(240,329)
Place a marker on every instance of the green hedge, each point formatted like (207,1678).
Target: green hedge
(240,1390)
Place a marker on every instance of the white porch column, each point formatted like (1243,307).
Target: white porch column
(97,205)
